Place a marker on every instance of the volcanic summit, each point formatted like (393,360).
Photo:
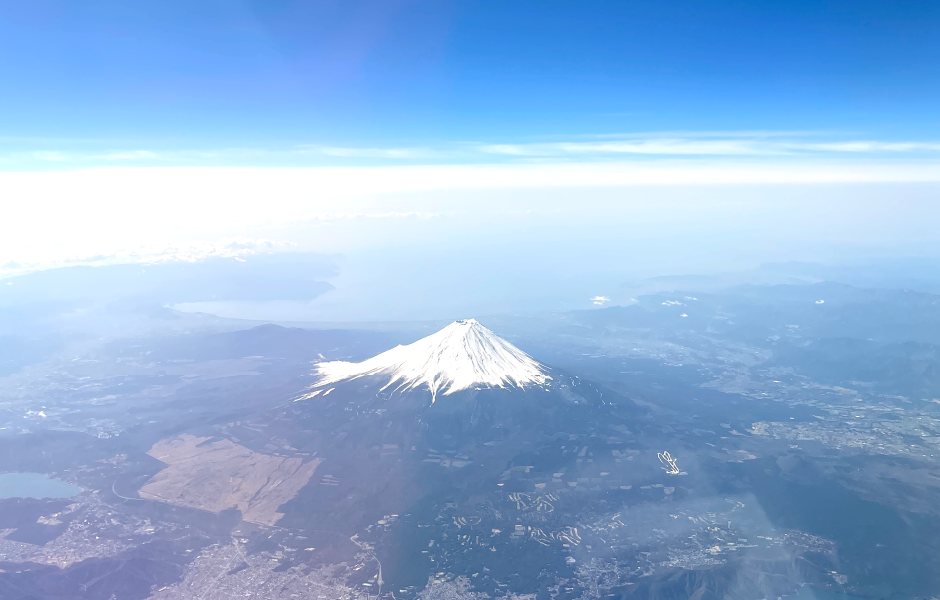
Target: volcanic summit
(463,355)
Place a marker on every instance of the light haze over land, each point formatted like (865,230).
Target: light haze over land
(469,300)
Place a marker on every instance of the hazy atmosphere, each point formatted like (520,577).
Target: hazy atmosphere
(450,300)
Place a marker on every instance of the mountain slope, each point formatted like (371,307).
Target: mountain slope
(460,385)
(464,419)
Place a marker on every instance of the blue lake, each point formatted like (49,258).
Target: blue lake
(34,485)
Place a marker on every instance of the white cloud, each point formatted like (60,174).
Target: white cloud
(731,146)
(653,147)
(194,251)
(353,152)
(51,216)
(772,145)
(600,300)
(866,146)
(370,216)
(127,155)
(52,156)
(745,133)
(157,253)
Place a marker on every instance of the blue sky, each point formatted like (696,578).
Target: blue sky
(293,83)
(538,154)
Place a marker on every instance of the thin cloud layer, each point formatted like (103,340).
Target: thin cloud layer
(767,145)
(236,248)
(707,147)
(353,152)
(53,216)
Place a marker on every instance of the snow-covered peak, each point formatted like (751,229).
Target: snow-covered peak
(463,355)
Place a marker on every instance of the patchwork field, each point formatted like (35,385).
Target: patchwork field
(220,474)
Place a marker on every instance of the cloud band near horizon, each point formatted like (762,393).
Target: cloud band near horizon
(50,216)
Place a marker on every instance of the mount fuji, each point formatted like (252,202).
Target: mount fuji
(461,356)
(462,418)
(462,380)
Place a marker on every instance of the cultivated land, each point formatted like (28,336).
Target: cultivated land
(216,475)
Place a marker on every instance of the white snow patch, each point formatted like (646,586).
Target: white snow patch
(462,355)
(309,396)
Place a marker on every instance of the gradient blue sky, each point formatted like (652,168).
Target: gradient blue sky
(289,83)
(529,154)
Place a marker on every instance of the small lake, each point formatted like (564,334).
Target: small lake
(34,485)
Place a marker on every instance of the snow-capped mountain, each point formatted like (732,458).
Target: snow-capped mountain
(461,356)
